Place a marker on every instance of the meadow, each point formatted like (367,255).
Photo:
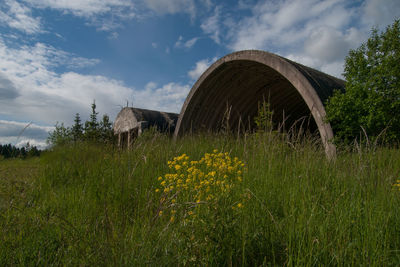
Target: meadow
(215,200)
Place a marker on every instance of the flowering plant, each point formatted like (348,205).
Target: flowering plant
(199,186)
(205,200)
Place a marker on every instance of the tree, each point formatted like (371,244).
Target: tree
(92,126)
(106,130)
(60,136)
(77,129)
(93,130)
(371,100)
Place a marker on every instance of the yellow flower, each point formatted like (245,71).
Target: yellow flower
(177,167)
(239,205)
(160,213)
(160,178)
(172,219)
(190,213)
(157,190)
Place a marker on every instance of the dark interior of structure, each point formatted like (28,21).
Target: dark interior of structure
(242,86)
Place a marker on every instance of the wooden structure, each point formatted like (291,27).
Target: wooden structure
(131,122)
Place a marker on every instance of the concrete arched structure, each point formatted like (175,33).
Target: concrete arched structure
(242,79)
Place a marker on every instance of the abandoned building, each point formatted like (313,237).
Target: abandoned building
(241,81)
(131,122)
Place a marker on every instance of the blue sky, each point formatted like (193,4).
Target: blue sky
(57,56)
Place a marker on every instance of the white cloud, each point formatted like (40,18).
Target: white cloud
(317,33)
(211,25)
(36,93)
(168,97)
(18,16)
(172,6)
(286,23)
(326,44)
(200,67)
(154,45)
(104,15)
(180,43)
(381,12)
(19,133)
(191,42)
(85,8)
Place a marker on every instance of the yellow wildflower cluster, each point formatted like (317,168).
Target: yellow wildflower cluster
(192,183)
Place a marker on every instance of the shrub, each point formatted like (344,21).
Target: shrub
(371,102)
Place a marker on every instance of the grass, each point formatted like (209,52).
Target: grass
(92,206)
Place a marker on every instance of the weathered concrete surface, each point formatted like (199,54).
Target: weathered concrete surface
(130,123)
(243,79)
(131,118)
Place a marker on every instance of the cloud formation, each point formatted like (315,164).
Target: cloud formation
(7,88)
(85,8)
(313,32)
(211,25)
(180,43)
(18,16)
(19,133)
(32,90)
(104,15)
(172,6)
(200,67)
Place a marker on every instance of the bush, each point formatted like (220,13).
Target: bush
(371,101)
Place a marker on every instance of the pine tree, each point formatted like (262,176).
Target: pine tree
(77,129)
(106,130)
(92,126)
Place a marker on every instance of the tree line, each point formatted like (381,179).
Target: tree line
(92,130)
(11,151)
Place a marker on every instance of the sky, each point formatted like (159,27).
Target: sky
(58,56)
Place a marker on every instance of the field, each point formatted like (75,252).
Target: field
(91,205)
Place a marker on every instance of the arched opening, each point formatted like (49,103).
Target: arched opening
(239,81)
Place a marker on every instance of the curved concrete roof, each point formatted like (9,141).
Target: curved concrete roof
(129,118)
(243,79)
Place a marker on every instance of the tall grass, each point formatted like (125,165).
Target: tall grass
(91,205)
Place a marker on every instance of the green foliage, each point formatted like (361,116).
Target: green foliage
(60,136)
(106,130)
(92,126)
(11,151)
(93,205)
(93,131)
(371,100)
(77,128)
(263,120)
